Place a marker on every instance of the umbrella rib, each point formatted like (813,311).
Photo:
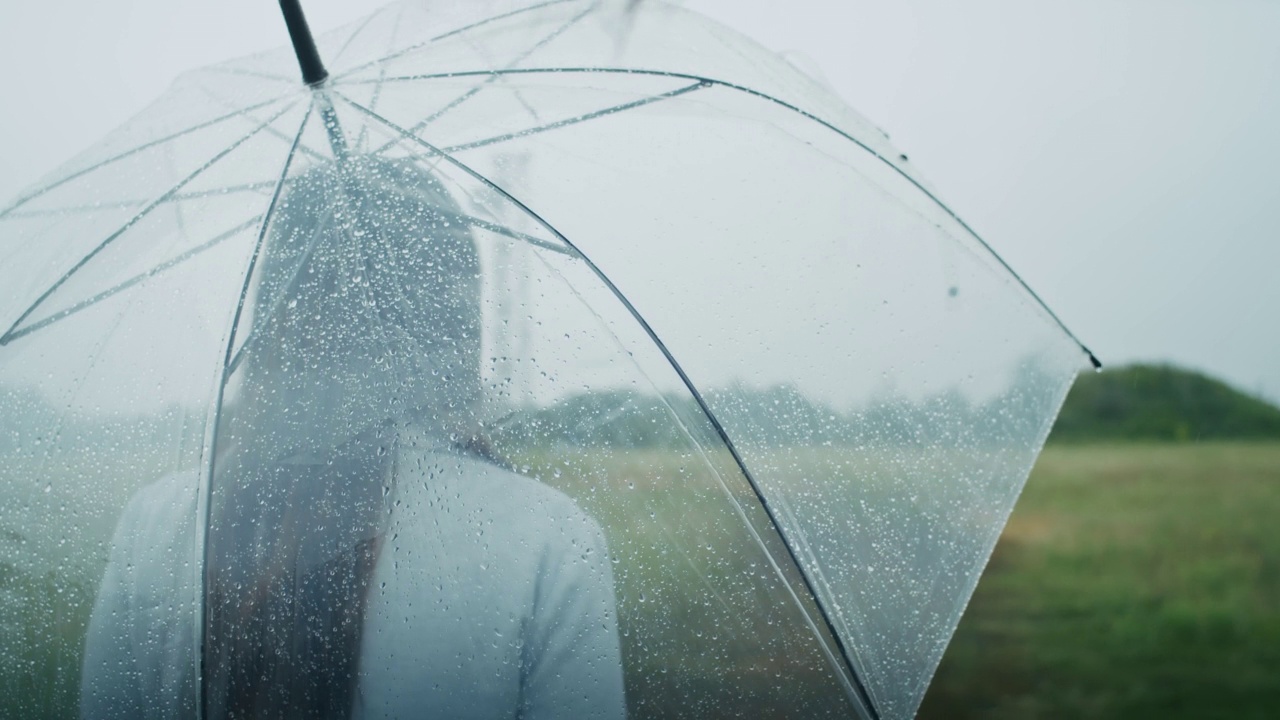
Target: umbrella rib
(495,228)
(249,73)
(223,191)
(56,212)
(451,33)
(275,305)
(215,415)
(178,197)
(481,50)
(314,154)
(382,73)
(864,696)
(136,279)
(495,18)
(4,340)
(508,232)
(783,103)
(493,77)
(230,362)
(133,151)
(352,37)
(579,119)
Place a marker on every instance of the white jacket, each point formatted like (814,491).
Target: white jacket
(492,598)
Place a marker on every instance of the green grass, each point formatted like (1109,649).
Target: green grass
(1133,581)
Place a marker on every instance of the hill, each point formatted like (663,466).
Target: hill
(1161,403)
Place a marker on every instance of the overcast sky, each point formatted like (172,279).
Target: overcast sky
(1122,155)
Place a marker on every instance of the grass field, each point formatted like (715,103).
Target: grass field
(1133,581)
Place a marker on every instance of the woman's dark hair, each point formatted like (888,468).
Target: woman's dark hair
(365,320)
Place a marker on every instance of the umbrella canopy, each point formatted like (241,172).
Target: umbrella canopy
(584,350)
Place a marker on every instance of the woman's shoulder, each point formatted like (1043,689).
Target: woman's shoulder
(163,509)
(474,490)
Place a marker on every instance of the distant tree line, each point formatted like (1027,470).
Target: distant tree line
(1162,403)
(781,415)
(31,425)
(1147,403)
(1133,403)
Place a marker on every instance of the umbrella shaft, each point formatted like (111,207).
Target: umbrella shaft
(337,138)
(304,45)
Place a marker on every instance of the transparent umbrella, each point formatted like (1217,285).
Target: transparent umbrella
(562,359)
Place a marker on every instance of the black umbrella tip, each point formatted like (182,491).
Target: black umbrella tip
(1093,359)
(304,45)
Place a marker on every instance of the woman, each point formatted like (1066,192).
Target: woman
(366,556)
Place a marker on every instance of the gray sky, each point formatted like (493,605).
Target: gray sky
(1120,154)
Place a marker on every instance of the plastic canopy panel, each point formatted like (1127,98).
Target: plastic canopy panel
(882,379)
(562,359)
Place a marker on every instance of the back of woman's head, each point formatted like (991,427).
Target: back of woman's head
(364,319)
(366,310)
